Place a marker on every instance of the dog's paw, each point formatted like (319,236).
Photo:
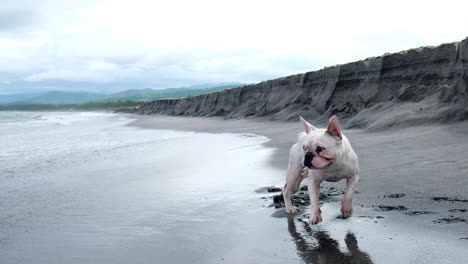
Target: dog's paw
(346,210)
(291,210)
(314,218)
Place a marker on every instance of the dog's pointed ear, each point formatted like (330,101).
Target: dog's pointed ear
(334,127)
(307,127)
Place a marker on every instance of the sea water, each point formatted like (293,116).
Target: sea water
(83,187)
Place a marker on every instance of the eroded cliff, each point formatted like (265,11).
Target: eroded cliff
(417,86)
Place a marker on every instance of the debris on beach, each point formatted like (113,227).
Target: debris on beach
(449,220)
(390,208)
(372,218)
(419,213)
(449,199)
(268,189)
(457,210)
(301,198)
(395,195)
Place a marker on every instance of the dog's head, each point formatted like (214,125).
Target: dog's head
(321,147)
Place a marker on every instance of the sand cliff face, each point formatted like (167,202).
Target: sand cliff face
(421,85)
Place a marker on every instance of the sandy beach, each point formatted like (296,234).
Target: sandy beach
(411,203)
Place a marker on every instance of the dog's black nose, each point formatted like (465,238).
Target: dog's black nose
(308,159)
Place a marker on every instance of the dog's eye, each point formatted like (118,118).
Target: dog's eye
(319,149)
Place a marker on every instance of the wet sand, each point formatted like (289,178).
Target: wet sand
(411,205)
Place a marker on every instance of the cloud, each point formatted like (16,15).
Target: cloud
(115,44)
(95,71)
(6,43)
(67,75)
(16,19)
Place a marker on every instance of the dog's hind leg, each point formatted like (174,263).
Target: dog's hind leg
(347,203)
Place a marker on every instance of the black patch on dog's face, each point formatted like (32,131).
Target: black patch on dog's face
(309,156)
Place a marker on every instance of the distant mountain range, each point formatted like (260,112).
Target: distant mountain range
(11,98)
(62,97)
(136,95)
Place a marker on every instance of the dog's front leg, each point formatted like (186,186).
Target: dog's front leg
(293,175)
(314,193)
(347,203)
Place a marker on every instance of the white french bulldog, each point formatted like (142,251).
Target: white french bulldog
(324,155)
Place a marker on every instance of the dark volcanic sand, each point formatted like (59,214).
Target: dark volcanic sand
(412,176)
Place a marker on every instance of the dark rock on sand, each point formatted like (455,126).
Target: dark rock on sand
(373,218)
(298,200)
(444,198)
(457,210)
(301,198)
(325,191)
(268,189)
(449,220)
(419,212)
(419,86)
(395,195)
(391,208)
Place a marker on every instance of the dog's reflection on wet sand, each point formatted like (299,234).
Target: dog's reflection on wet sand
(326,249)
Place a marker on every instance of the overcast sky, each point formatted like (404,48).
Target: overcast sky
(113,45)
